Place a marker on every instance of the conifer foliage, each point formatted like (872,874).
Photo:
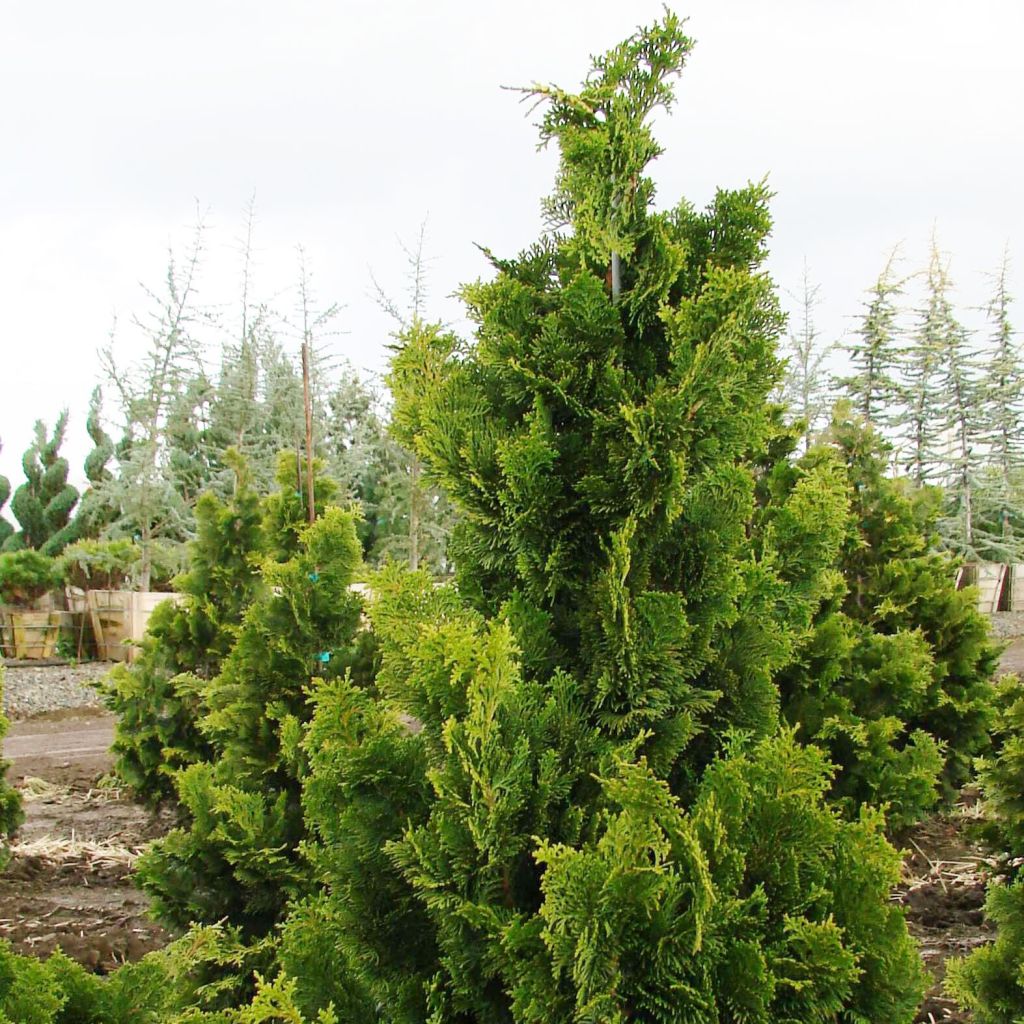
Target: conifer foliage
(573,801)
(237,857)
(156,698)
(44,502)
(5,492)
(894,680)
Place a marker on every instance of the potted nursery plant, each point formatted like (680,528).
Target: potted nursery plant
(26,577)
(101,579)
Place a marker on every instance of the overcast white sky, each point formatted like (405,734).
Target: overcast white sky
(874,120)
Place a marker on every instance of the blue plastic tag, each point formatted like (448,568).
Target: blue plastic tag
(324,656)
(315,577)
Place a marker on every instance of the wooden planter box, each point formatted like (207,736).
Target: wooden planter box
(119,620)
(30,635)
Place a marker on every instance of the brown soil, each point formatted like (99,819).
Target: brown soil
(943,890)
(69,882)
(69,748)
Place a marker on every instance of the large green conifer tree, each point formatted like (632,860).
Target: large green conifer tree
(572,801)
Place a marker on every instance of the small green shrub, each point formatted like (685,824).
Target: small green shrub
(25,575)
(238,858)
(990,981)
(27,993)
(196,980)
(893,680)
(158,698)
(99,564)
(1002,775)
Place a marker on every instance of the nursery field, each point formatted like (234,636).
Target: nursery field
(69,884)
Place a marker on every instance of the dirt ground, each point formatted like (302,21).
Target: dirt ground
(69,882)
(943,891)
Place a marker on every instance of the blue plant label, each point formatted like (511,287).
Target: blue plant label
(324,656)
(315,577)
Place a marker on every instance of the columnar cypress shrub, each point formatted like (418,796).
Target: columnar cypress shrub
(572,801)
(157,697)
(238,857)
(898,583)
(895,679)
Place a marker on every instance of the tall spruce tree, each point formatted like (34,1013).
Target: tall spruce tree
(1000,498)
(873,388)
(955,414)
(572,802)
(805,385)
(921,358)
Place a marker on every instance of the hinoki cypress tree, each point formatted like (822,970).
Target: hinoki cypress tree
(573,801)
(156,698)
(894,682)
(237,856)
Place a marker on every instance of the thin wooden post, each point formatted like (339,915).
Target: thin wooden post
(308,402)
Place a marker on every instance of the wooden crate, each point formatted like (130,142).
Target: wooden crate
(119,620)
(992,577)
(1017,587)
(33,634)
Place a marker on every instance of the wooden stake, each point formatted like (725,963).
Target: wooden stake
(308,402)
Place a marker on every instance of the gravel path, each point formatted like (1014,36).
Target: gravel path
(32,691)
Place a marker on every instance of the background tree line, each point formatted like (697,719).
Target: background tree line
(947,398)
(183,401)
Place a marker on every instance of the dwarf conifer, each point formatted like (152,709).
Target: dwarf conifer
(156,698)
(237,857)
(895,647)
